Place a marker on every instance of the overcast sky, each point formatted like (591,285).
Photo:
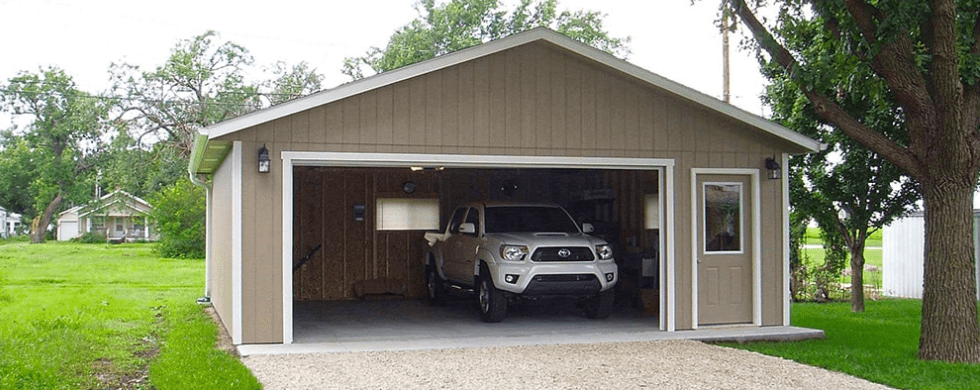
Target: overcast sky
(669,37)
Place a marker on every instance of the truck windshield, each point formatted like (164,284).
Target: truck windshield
(528,219)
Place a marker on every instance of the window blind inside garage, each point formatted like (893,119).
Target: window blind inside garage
(408,214)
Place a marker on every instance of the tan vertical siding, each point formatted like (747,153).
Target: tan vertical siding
(531,100)
(221,245)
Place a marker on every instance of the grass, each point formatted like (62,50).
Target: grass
(815,254)
(880,345)
(813,238)
(79,316)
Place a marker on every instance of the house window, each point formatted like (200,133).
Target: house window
(652,211)
(722,217)
(407,214)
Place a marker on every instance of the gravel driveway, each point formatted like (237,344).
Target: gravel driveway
(674,364)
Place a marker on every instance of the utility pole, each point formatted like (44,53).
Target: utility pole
(726,89)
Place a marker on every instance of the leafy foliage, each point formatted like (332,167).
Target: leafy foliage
(900,78)
(200,84)
(292,82)
(61,145)
(17,167)
(179,214)
(459,24)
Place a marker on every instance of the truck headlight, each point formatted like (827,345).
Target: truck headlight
(604,251)
(513,252)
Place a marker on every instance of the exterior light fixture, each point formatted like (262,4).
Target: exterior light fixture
(264,163)
(775,170)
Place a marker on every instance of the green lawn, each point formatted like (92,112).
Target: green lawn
(813,238)
(879,345)
(80,316)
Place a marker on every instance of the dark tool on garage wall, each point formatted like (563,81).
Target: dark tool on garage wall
(306,258)
(359,210)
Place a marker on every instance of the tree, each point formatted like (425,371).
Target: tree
(200,84)
(459,24)
(292,82)
(62,139)
(140,170)
(849,190)
(17,165)
(179,213)
(928,56)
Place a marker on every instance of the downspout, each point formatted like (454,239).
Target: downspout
(197,153)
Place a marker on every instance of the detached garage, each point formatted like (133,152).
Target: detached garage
(347,181)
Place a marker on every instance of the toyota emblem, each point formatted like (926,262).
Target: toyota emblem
(564,252)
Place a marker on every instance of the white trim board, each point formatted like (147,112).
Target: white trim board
(784,182)
(236,242)
(756,239)
(291,159)
(468,161)
(670,265)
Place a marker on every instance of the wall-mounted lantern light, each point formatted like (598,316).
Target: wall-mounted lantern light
(264,163)
(775,170)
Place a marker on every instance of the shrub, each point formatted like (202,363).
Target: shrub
(90,238)
(179,214)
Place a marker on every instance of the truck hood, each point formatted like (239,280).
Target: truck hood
(534,240)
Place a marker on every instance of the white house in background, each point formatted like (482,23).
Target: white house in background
(9,223)
(903,250)
(118,215)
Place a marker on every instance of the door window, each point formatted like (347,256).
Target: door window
(474,217)
(456,220)
(722,217)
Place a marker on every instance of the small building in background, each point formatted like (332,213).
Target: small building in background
(118,216)
(9,223)
(903,244)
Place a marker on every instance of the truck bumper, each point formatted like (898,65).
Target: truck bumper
(552,279)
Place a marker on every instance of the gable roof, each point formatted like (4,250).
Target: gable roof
(113,197)
(537,34)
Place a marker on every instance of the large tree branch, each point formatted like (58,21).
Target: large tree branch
(971,94)
(824,107)
(895,63)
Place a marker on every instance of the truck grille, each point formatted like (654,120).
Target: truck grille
(564,278)
(560,253)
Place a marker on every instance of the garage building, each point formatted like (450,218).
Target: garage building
(688,189)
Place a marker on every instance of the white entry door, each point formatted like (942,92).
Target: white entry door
(724,249)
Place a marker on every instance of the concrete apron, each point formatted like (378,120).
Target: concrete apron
(400,325)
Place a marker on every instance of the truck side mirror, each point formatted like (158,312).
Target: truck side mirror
(467,228)
(587,228)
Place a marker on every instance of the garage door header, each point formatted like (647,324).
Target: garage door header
(466,161)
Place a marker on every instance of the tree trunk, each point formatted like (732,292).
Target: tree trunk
(857,277)
(949,302)
(37,236)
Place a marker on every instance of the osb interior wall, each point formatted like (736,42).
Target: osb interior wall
(534,100)
(353,251)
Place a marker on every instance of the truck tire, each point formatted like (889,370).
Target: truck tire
(492,302)
(600,306)
(435,287)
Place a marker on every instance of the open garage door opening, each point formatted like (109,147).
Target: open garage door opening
(359,245)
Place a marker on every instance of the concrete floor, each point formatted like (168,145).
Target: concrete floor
(349,326)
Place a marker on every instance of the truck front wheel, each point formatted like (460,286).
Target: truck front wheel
(600,306)
(435,287)
(493,302)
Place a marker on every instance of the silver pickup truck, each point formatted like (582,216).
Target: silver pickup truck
(507,252)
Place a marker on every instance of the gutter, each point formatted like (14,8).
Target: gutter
(197,155)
